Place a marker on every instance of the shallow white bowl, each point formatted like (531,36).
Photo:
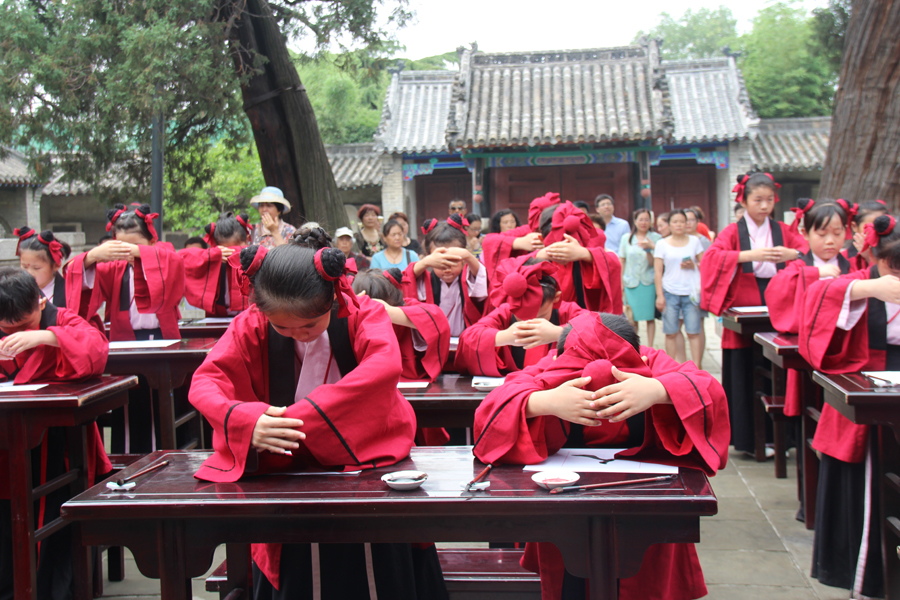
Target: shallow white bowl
(554,479)
(400,480)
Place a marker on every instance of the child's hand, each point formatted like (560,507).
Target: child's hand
(536,332)
(859,241)
(631,396)
(887,289)
(568,402)
(829,271)
(786,254)
(509,336)
(16,343)
(277,434)
(442,258)
(226,251)
(529,242)
(460,253)
(111,251)
(568,250)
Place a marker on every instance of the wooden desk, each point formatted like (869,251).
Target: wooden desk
(194,329)
(782,349)
(24,418)
(858,399)
(449,401)
(746,324)
(165,370)
(173,522)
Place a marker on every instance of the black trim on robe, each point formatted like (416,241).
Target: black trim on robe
(125,291)
(59,291)
(222,296)
(843,263)
(436,291)
(578,284)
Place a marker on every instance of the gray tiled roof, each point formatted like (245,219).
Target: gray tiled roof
(14,170)
(58,187)
(564,97)
(709,101)
(791,144)
(415,112)
(354,165)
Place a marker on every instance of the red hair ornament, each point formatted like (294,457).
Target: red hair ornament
(519,285)
(244,276)
(342,288)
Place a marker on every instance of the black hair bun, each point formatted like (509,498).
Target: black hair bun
(394,272)
(247,256)
(314,238)
(333,261)
(24,230)
(144,208)
(245,217)
(207,228)
(740,178)
(427,223)
(112,211)
(882,224)
(803,203)
(456,218)
(47,235)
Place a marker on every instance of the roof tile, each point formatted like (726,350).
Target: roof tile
(798,144)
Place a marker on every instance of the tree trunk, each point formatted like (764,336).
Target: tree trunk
(863,160)
(284,125)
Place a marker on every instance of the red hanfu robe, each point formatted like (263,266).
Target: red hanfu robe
(432,325)
(786,312)
(81,354)
(472,309)
(833,350)
(692,432)
(727,283)
(158,290)
(207,278)
(496,247)
(477,353)
(348,427)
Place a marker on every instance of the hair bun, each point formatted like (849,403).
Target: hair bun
(333,261)
(394,275)
(145,208)
(883,224)
(247,256)
(740,178)
(244,216)
(47,235)
(208,228)
(803,203)
(112,212)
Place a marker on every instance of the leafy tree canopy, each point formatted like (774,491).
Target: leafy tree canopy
(700,34)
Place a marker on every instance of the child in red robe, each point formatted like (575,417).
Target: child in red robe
(140,278)
(42,255)
(849,324)
(523,239)
(525,325)
(210,278)
(735,271)
(662,411)
(855,250)
(40,342)
(449,276)
(291,383)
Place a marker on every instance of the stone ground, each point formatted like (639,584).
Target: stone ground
(754,548)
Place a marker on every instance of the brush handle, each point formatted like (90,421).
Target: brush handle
(480,476)
(560,490)
(149,469)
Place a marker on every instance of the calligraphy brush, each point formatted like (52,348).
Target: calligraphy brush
(479,477)
(561,490)
(150,469)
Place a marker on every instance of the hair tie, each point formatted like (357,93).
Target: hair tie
(882,202)
(428,226)
(738,190)
(23,233)
(872,235)
(210,236)
(799,212)
(245,225)
(243,276)
(460,226)
(850,208)
(148,220)
(777,186)
(113,219)
(342,287)
(391,276)
(54,247)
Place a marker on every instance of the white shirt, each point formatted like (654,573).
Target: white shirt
(317,365)
(852,310)
(675,280)
(48,290)
(138,320)
(451,302)
(761,237)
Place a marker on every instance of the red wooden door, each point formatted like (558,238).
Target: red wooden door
(683,187)
(586,182)
(516,187)
(434,193)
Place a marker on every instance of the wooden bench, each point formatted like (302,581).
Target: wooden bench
(774,407)
(470,574)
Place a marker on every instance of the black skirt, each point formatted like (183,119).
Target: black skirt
(737,380)
(401,572)
(842,499)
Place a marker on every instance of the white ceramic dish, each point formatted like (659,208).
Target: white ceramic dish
(404,480)
(554,479)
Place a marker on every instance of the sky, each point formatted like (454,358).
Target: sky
(506,26)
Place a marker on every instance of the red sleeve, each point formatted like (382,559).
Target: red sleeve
(693,431)
(158,279)
(432,325)
(786,307)
(478,354)
(80,299)
(822,343)
(408,284)
(499,246)
(602,280)
(717,271)
(202,268)
(568,311)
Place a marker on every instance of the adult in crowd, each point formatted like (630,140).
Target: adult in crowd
(636,254)
(394,254)
(408,242)
(615,228)
(662,225)
(343,241)
(693,227)
(271,230)
(504,220)
(457,207)
(473,235)
(581,204)
(702,228)
(368,239)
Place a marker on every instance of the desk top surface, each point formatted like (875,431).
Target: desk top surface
(856,388)
(746,317)
(446,386)
(187,347)
(173,492)
(781,343)
(71,394)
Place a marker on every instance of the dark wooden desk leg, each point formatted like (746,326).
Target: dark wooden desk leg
(759,415)
(239,574)
(602,559)
(174,584)
(889,462)
(166,396)
(81,555)
(810,396)
(21,507)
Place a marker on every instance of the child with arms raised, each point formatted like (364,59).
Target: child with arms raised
(40,342)
(604,390)
(42,255)
(290,382)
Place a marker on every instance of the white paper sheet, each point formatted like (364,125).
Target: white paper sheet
(750,309)
(7,387)
(341,473)
(142,344)
(412,385)
(566,460)
(454,343)
(487,383)
(215,320)
(884,378)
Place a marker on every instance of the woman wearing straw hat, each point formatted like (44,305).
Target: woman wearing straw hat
(271,231)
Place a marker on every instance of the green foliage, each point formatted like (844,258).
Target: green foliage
(700,34)
(784,76)
(829,27)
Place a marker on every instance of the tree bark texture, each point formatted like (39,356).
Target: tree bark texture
(863,160)
(291,151)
